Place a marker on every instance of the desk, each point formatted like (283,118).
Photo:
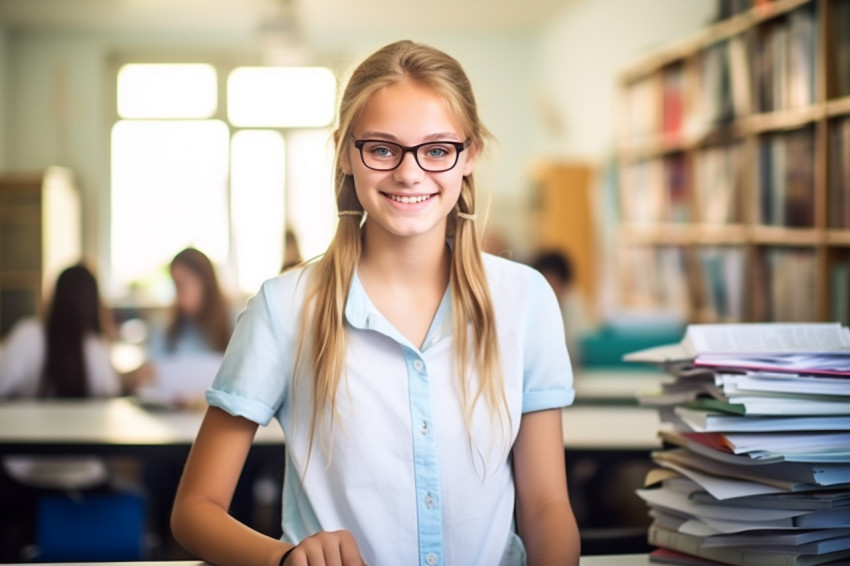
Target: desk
(122,426)
(105,426)
(613,560)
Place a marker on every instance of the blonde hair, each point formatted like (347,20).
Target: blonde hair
(400,62)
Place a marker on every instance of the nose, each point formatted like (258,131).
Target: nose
(408,171)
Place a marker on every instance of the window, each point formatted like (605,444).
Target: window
(185,172)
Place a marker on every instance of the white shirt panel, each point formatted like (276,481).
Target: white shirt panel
(401,475)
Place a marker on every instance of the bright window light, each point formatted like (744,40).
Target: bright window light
(283,97)
(169,191)
(311,210)
(257,188)
(167,91)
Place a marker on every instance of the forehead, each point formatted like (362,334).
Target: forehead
(408,110)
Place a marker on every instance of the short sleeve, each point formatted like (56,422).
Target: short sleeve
(548,375)
(256,370)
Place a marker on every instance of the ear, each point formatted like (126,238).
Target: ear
(471,159)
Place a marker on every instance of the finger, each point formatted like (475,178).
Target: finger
(349,550)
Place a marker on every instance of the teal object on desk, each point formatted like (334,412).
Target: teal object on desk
(606,347)
(90,527)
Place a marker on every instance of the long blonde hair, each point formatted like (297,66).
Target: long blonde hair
(329,284)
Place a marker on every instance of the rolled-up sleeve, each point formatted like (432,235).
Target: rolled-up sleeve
(256,372)
(548,375)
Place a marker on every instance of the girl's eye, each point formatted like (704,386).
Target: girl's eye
(382,151)
(437,152)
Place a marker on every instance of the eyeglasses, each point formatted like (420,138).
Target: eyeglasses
(434,157)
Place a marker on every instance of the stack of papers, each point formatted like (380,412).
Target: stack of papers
(756,465)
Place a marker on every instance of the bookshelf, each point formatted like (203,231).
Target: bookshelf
(734,167)
(39,236)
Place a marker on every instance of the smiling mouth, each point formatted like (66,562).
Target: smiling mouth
(408,200)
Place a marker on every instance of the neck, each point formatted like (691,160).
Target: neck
(413,262)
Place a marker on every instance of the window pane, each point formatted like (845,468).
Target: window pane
(167,91)
(311,210)
(281,96)
(169,191)
(257,184)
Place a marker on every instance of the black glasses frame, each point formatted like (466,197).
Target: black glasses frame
(414,149)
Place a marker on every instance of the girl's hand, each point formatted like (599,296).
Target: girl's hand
(326,548)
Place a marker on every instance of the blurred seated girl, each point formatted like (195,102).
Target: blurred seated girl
(184,355)
(66,355)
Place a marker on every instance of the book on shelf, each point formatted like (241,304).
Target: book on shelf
(717,183)
(841,23)
(785,60)
(723,270)
(786,173)
(839,290)
(786,279)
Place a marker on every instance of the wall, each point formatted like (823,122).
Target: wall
(581,53)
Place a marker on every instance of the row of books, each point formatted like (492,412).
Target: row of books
(755,468)
(708,283)
(709,279)
(785,60)
(841,23)
(672,189)
(784,285)
(839,171)
(787,178)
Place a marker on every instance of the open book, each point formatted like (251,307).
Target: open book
(749,338)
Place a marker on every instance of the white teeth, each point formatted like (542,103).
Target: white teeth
(410,200)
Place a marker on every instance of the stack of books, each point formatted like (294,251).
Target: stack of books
(756,428)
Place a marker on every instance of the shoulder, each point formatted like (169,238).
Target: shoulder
(29,329)
(509,276)
(285,289)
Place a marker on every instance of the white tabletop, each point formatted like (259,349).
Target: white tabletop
(108,422)
(616,385)
(124,423)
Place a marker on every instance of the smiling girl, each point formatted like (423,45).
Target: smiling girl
(419,382)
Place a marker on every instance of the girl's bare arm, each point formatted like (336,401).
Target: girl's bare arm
(545,519)
(199,519)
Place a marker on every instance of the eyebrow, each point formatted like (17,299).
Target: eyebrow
(439,136)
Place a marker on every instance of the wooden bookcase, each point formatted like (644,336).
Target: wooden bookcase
(734,168)
(39,236)
(563,218)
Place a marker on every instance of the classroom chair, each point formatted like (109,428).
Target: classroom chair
(90,527)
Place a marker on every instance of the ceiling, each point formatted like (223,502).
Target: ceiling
(310,17)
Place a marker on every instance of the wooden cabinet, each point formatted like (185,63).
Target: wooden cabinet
(734,168)
(39,236)
(564,218)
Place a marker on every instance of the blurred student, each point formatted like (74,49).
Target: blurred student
(65,355)
(183,355)
(557,268)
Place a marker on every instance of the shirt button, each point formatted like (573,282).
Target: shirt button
(425,429)
(431,558)
(418,365)
(429,501)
